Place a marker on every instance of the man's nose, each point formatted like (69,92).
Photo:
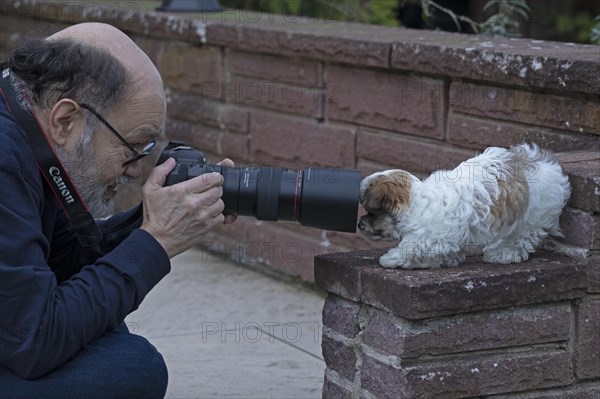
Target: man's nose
(133,170)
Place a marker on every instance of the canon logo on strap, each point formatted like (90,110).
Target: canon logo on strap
(55,173)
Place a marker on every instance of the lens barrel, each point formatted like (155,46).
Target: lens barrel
(325,198)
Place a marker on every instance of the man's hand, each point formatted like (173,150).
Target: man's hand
(229,164)
(179,215)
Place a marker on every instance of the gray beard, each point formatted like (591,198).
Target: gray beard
(84,171)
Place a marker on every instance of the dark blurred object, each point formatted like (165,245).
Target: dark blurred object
(561,20)
(557,20)
(410,15)
(190,6)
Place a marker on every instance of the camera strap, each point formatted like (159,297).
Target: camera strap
(50,167)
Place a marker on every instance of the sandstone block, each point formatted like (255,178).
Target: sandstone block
(339,357)
(576,115)
(420,294)
(392,102)
(471,332)
(299,143)
(479,133)
(275,69)
(341,315)
(464,378)
(588,339)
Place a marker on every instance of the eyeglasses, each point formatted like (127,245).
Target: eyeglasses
(136,155)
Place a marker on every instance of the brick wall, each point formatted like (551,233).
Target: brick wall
(294,92)
(525,331)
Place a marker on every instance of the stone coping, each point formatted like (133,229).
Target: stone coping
(520,62)
(473,286)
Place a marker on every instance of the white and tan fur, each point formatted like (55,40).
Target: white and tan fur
(501,203)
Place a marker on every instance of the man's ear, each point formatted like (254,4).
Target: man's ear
(65,123)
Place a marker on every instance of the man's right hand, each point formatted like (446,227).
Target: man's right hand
(179,215)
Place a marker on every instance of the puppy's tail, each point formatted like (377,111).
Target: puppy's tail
(546,171)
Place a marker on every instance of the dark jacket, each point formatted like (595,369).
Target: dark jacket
(56,296)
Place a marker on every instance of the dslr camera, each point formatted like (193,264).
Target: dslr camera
(325,198)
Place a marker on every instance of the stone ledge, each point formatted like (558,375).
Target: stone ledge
(474,286)
(520,62)
(576,391)
(583,169)
(594,273)
(468,378)
(471,332)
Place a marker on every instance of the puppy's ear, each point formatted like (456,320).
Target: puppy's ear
(388,192)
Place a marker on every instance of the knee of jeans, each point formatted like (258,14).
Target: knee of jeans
(145,370)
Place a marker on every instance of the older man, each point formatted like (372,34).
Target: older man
(100,102)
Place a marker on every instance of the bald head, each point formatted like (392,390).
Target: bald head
(140,69)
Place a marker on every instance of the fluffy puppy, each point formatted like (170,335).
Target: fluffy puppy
(501,203)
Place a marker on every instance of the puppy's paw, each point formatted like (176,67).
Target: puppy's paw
(390,261)
(397,258)
(505,255)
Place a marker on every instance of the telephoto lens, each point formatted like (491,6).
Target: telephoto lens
(325,198)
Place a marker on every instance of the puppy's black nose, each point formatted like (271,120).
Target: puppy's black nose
(362,225)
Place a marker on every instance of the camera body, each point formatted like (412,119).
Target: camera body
(325,198)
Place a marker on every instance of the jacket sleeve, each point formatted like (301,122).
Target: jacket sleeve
(42,323)
(67,256)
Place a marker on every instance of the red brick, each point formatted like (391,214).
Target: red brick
(202,138)
(588,338)
(196,108)
(379,99)
(478,133)
(235,146)
(578,156)
(341,315)
(340,273)
(406,153)
(584,177)
(335,241)
(286,97)
(209,140)
(191,68)
(472,287)
(333,391)
(472,332)
(580,228)
(593,273)
(571,114)
(153,47)
(275,69)
(234,119)
(421,294)
(330,41)
(300,142)
(586,390)
(339,357)
(520,62)
(266,243)
(467,377)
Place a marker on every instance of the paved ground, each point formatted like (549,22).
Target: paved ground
(229,332)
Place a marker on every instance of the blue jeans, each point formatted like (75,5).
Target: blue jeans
(117,365)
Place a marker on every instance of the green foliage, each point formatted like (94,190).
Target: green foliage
(379,12)
(595,34)
(581,26)
(503,23)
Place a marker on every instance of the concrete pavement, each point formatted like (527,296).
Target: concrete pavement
(227,331)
